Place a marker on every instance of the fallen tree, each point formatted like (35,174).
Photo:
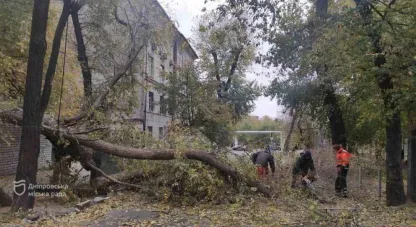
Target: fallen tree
(15,116)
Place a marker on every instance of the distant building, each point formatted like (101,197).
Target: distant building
(153,115)
(155,60)
(153,112)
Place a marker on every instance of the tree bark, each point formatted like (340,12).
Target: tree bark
(82,55)
(292,126)
(336,121)
(394,183)
(411,159)
(32,118)
(53,59)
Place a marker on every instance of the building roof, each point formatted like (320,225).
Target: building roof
(176,29)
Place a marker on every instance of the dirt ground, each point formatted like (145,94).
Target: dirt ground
(132,209)
(289,207)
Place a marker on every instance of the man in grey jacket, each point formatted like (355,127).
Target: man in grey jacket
(262,160)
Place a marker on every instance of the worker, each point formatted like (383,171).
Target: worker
(303,164)
(343,164)
(262,160)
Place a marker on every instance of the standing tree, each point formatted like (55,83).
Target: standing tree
(226,52)
(293,50)
(32,117)
(385,80)
(217,80)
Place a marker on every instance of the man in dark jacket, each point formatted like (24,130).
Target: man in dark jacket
(303,164)
(262,160)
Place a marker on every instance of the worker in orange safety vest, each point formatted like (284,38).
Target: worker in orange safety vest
(343,164)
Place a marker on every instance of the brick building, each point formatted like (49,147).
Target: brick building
(156,59)
(9,149)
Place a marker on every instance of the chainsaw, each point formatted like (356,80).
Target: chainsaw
(308,181)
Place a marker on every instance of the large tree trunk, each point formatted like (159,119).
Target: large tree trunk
(32,119)
(338,132)
(82,55)
(337,126)
(53,59)
(394,183)
(291,127)
(411,159)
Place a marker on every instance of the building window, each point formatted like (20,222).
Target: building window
(161,133)
(150,130)
(151,66)
(163,105)
(151,101)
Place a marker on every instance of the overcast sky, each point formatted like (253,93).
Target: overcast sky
(185,12)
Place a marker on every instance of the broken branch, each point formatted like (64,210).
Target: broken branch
(104,94)
(110,178)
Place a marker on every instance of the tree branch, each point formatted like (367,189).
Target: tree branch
(110,178)
(118,19)
(233,68)
(216,65)
(53,60)
(82,55)
(106,91)
(391,3)
(217,74)
(90,131)
(377,11)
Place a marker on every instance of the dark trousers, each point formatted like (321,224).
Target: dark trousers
(341,181)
